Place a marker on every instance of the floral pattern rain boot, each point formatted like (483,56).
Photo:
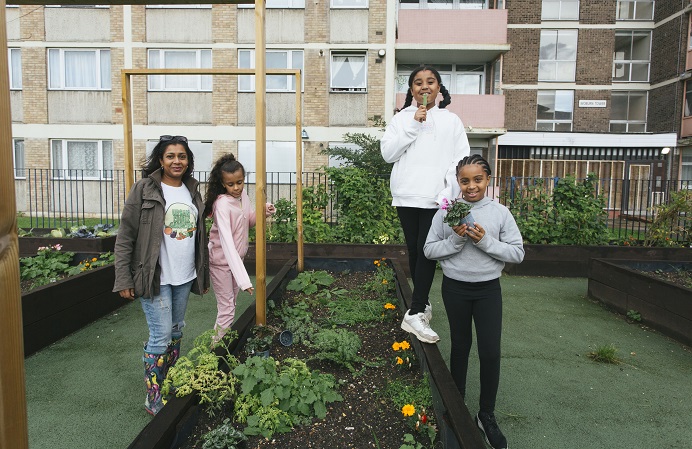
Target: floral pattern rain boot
(154,375)
(173,352)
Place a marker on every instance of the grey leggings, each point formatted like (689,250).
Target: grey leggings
(480,302)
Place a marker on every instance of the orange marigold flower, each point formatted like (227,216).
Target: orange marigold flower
(399,361)
(404,345)
(94,259)
(389,306)
(408,410)
(395,346)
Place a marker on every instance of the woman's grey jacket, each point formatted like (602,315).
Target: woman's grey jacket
(138,243)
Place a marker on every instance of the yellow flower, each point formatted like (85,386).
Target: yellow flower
(399,361)
(384,281)
(408,410)
(389,306)
(395,346)
(404,345)
(86,264)
(377,262)
(94,259)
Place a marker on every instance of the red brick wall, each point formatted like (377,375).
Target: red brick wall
(520,110)
(594,120)
(595,56)
(520,64)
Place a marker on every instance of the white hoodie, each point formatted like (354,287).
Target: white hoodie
(425,156)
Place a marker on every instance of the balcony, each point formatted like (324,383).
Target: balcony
(451,36)
(482,115)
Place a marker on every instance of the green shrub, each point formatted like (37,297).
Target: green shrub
(672,225)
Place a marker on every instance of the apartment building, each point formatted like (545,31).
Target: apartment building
(544,88)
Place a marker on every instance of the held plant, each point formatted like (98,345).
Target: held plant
(456,211)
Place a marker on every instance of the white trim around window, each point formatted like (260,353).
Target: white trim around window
(81,159)
(18,159)
(557,55)
(79,69)
(628,111)
(632,56)
(560,10)
(277,4)
(180,59)
(349,4)
(348,71)
(14,56)
(275,59)
(635,10)
(554,110)
(181,6)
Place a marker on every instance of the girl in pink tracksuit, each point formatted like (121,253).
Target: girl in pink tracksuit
(229,205)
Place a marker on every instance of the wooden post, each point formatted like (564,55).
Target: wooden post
(299,174)
(13,418)
(127,129)
(260,164)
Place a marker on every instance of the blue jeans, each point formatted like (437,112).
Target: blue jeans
(165,314)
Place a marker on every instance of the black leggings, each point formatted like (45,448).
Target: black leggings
(482,303)
(416,223)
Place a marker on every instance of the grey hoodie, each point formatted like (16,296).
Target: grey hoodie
(465,261)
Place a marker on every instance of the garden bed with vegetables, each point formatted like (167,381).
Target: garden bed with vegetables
(82,239)
(654,292)
(350,377)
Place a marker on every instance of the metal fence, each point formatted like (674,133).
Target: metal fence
(48,198)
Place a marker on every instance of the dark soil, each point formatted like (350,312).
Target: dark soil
(678,277)
(367,417)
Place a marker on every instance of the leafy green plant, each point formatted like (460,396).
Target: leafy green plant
(308,282)
(261,339)
(339,346)
(672,224)
(383,282)
(353,311)
(298,319)
(410,442)
(605,354)
(367,155)
(275,396)
(48,265)
(102,260)
(283,228)
(456,210)
(634,315)
(224,436)
(24,233)
(201,371)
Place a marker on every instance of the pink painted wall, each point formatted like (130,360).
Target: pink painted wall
(483,26)
(479,111)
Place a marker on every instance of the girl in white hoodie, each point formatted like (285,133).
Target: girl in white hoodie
(424,142)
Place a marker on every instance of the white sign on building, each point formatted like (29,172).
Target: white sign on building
(592,103)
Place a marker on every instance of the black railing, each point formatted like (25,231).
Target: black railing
(49,198)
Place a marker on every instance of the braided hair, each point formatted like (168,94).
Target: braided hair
(228,164)
(476,159)
(446,98)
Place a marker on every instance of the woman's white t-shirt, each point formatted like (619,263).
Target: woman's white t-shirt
(177,257)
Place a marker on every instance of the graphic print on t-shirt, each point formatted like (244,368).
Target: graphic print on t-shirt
(180,221)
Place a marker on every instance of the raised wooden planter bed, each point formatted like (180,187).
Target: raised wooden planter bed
(664,306)
(540,260)
(54,311)
(28,246)
(172,425)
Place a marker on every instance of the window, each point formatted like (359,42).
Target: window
(182,6)
(15,63)
(280,160)
(18,157)
(560,10)
(82,159)
(77,6)
(632,56)
(686,167)
(457,78)
(443,4)
(180,59)
(349,3)
(298,4)
(275,59)
(79,69)
(554,112)
(635,10)
(558,55)
(688,99)
(628,112)
(348,72)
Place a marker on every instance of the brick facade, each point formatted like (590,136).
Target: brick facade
(520,110)
(520,65)
(595,57)
(668,53)
(523,11)
(664,114)
(597,11)
(592,120)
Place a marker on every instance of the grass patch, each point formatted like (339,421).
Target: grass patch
(605,354)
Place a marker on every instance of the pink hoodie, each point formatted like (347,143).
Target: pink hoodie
(228,238)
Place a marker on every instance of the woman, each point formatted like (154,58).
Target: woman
(161,254)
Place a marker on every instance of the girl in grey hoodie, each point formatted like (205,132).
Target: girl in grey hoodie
(472,259)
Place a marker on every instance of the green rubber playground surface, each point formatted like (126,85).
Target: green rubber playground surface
(87,391)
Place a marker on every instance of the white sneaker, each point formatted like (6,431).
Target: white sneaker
(428,312)
(418,325)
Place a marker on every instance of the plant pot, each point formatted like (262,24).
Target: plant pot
(286,338)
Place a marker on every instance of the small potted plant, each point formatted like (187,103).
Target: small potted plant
(458,212)
(261,340)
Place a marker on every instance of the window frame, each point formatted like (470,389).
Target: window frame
(347,53)
(100,77)
(181,6)
(365,6)
(687,107)
(201,81)
(685,154)
(17,169)
(628,122)
(554,121)
(295,4)
(566,35)
(560,9)
(59,173)
(290,79)
(14,84)
(634,11)
(402,75)
(453,4)
(246,154)
(631,62)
